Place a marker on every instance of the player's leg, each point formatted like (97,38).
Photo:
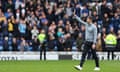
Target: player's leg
(84,53)
(96,59)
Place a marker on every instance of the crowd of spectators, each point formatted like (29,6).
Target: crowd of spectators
(21,21)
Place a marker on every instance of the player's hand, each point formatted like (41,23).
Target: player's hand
(93,46)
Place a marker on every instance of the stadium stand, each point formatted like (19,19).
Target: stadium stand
(22,20)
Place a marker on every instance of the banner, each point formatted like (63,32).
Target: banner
(52,55)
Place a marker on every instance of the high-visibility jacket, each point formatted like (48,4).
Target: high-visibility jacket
(111,39)
(41,37)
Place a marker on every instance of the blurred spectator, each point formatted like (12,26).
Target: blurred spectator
(68,42)
(85,11)
(14,44)
(22,28)
(24,46)
(106,22)
(95,16)
(35,43)
(10,26)
(118,41)
(5,44)
(116,22)
(2,17)
(103,36)
(60,32)
(17,4)
(52,27)
(69,10)
(111,42)
(34,32)
(79,42)
(51,43)
(99,43)
(9,13)
(42,41)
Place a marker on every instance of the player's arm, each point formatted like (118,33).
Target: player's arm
(95,35)
(80,20)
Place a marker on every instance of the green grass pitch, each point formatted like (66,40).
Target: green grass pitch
(57,66)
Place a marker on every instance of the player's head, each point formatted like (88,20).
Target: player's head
(89,19)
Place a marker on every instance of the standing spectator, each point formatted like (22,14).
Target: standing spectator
(16,31)
(42,38)
(104,8)
(116,22)
(84,11)
(9,5)
(103,36)
(106,22)
(51,42)
(78,10)
(95,16)
(69,10)
(24,45)
(111,10)
(50,16)
(68,27)
(79,42)
(34,32)
(118,41)
(5,44)
(52,28)
(10,26)
(35,43)
(111,42)
(8,14)
(14,44)
(2,17)
(60,32)
(22,28)
(68,42)
(17,4)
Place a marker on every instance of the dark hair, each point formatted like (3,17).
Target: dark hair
(90,17)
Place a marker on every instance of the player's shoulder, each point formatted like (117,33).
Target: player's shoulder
(94,26)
